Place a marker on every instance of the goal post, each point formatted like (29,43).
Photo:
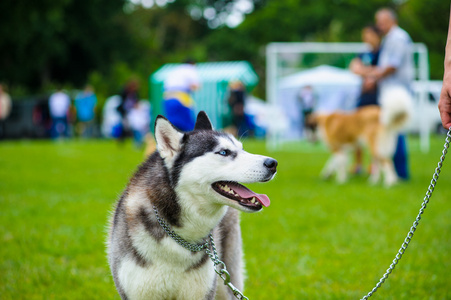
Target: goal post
(283,59)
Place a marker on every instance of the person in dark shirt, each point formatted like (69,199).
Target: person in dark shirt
(366,61)
(129,98)
(361,65)
(236,101)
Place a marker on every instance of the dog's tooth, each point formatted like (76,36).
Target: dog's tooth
(253,200)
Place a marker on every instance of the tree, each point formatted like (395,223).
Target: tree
(58,41)
(64,41)
(327,21)
(427,22)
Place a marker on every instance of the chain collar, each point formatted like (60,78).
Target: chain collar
(219,266)
(182,242)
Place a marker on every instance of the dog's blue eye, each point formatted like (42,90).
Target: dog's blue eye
(223,152)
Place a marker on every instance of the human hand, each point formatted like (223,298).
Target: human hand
(357,67)
(369,84)
(444,105)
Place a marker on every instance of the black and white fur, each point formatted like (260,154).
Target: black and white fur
(180,179)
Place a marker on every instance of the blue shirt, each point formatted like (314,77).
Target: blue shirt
(85,104)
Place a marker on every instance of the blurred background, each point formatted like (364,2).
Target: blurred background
(67,68)
(68,44)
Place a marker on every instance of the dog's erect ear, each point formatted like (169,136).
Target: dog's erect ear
(203,122)
(168,138)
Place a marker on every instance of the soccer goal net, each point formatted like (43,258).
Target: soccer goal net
(324,69)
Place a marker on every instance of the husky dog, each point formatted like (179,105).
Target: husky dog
(189,184)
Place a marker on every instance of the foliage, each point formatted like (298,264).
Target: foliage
(317,240)
(69,42)
(428,26)
(327,21)
(59,41)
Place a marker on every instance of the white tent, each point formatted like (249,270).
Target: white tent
(334,89)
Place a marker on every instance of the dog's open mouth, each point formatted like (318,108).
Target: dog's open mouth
(241,194)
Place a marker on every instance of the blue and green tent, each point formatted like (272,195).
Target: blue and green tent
(212,96)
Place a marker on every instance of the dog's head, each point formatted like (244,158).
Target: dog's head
(206,165)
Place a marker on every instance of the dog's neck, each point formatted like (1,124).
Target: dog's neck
(198,217)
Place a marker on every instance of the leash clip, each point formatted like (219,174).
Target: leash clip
(226,277)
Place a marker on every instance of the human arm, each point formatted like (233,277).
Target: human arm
(194,79)
(444,104)
(379,73)
(358,67)
(194,87)
(366,72)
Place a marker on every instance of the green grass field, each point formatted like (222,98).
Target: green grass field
(317,240)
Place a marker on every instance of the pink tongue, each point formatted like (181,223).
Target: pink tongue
(246,193)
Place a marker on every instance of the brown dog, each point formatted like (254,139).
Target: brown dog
(375,127)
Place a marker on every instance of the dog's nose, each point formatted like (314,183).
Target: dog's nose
(270,164)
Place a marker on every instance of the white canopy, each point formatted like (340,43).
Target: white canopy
(334,89)
(320,76)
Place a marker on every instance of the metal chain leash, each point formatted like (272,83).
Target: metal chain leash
(406,242)
(177,238)
(218,265)
(222,270)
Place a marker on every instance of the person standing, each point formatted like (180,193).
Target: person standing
(395,67)
(362,65)
(396,64)
(85,105)
(178,103)
(139,121)
(237,99)
(59,105)
(307,101)
(129,97)
(5,109)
